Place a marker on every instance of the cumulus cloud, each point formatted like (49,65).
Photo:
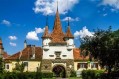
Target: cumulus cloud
(12,37)
(39,30)
(33,35)
(6,22)
(49,6)
(113,3)
(82,33)
(13,44)
(70,19)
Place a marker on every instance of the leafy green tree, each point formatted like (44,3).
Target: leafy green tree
(1,66)
(104,47)
(19,66)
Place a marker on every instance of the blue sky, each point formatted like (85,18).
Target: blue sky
(26,19)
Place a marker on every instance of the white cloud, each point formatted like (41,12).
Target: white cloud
(33,35)
(6,22)
(71,19)
(39,30)
(113,3)
(105,14)
(49,6)
(13,44)
(82,33)
(12,37)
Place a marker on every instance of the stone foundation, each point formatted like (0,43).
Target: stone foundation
(47,65)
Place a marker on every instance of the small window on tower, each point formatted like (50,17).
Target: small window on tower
(51,55)
(57,55)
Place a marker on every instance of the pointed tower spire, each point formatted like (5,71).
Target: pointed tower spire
(67,13)
(0,41)
(1,45)
(57,23)
(57,34)
(47,20)
(68,33)
(57,5)
(46,34)
(68,20)
(25,44)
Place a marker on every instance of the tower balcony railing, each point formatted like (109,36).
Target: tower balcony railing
(70,47)
(46,47)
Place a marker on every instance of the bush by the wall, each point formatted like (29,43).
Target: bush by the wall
(47,75)
(91,74)
(73,74)
(24,75)
(112,75)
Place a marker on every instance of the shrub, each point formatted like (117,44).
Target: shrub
(91,74)
(73,74)
(24,75)
(47,75)
(112,75)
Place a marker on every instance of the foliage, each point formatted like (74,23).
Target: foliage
(104,47)
(24,75)
(1,66)
(73,74)
(91,74)
(113,75)
(47,75)
(19,66)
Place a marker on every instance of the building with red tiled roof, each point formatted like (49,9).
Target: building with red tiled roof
(58,51)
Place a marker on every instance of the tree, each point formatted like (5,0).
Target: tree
(104,47)
(1,65)
(19,66)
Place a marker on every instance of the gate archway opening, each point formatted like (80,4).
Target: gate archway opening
(59,71)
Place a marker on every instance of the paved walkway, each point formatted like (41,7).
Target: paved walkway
(62,78)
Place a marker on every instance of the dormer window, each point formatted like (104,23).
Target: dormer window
(57,55)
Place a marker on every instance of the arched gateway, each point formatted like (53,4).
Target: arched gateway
(59,71)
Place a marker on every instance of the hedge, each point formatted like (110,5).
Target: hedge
(47,75)
(24,75)
(73,74)
(92,74)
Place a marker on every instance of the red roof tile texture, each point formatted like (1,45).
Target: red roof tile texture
(78,56)
(57,34)
(46,34)
(5,55)
(68,33)
(27,54)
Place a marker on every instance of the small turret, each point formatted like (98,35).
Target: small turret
(1,48)
(25,44)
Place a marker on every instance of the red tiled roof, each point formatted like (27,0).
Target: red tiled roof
(26,54)
(1,47)
(57,35)
(46,34)
(78,56)
(68,33)
(5,55)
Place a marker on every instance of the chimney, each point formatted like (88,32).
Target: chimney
(1,49)
(25,44)
(33,52)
